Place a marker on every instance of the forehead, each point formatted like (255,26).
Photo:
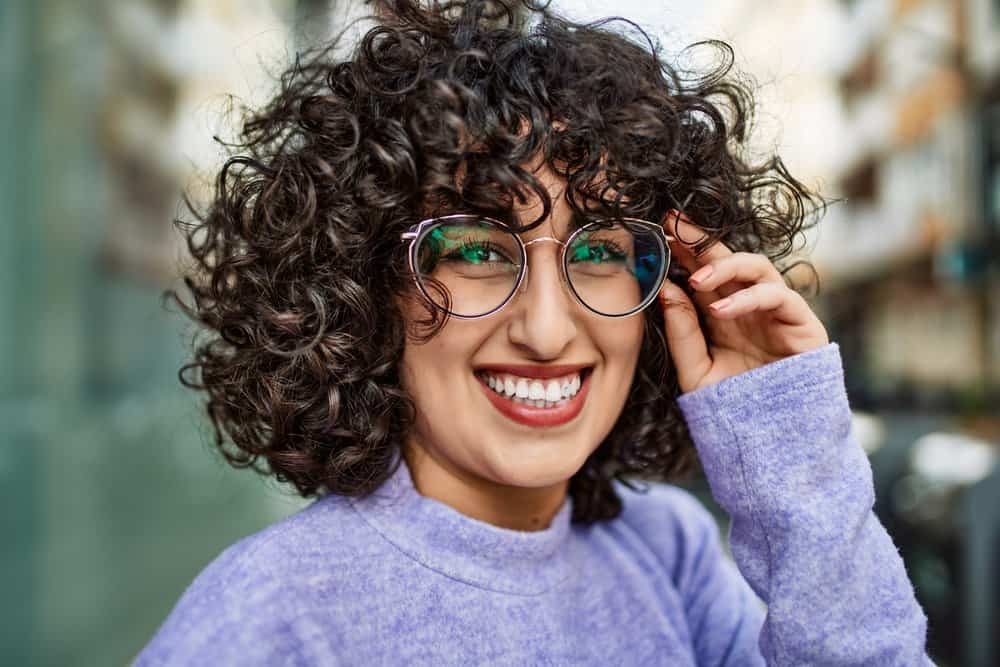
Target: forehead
(520,211)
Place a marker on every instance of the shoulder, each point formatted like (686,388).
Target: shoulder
(323,535)
(672,524)
(659,505)
(258,585)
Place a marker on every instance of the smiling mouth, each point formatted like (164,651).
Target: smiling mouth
(537,402)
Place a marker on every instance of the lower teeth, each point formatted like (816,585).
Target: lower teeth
(534,403)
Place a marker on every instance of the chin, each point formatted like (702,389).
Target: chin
(534,465)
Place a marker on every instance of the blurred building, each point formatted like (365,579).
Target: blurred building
(890,106)
(912,282)
(111,498)
(909,260)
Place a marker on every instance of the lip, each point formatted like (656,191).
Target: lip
(539,417)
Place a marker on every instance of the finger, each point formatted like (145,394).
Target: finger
(735,272)
(782,302)
(685,338)
(683,255)
(686,235)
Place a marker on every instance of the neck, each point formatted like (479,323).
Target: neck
(505,506)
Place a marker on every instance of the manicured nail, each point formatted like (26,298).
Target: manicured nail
(701,274)
(719,305)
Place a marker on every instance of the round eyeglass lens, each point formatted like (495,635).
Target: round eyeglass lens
(468,266)
(616,268)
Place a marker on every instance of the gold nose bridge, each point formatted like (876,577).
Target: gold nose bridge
(538,240)
(544,238)
(524,279)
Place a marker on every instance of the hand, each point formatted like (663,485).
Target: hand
(765,320)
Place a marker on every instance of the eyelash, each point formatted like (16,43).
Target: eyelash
(611,245)
(467,244)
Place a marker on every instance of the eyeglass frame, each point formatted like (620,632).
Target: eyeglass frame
(414,232)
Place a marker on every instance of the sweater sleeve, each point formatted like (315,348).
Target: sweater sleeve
(777,450)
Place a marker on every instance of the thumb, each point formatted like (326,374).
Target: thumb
(685,338)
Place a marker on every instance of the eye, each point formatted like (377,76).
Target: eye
(478,252)
(597,252)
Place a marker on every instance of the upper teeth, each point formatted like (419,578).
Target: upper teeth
(531,389)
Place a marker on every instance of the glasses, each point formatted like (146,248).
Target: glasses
(471,266)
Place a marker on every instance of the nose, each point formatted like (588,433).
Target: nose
(543,321)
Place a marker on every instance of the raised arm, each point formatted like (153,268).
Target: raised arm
(776,446)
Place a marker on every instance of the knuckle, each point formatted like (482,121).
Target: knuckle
(762,290)
(749,260)
(769,288)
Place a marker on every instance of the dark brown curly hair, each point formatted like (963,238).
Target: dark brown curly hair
(297,260)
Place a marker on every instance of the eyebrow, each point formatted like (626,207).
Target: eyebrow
(577,219)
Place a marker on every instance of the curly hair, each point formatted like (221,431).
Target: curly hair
(297,259)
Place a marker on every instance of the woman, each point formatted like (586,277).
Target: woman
(465,287)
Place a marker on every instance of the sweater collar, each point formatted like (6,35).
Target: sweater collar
(461,547)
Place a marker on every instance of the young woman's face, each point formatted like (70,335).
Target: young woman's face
(472,431)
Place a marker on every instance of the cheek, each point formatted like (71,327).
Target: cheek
(435,371)
(424,377)
(620,343)
(620,347)
(423,368)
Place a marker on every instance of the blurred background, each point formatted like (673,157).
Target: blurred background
(111,496)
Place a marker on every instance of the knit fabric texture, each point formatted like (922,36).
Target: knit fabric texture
(398,578)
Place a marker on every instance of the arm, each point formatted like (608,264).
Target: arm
(776,448)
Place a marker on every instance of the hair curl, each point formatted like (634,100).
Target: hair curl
(298,260)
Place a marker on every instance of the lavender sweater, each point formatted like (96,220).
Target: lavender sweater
(401,579)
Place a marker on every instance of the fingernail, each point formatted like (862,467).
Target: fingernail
(701,274)
(719,305)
